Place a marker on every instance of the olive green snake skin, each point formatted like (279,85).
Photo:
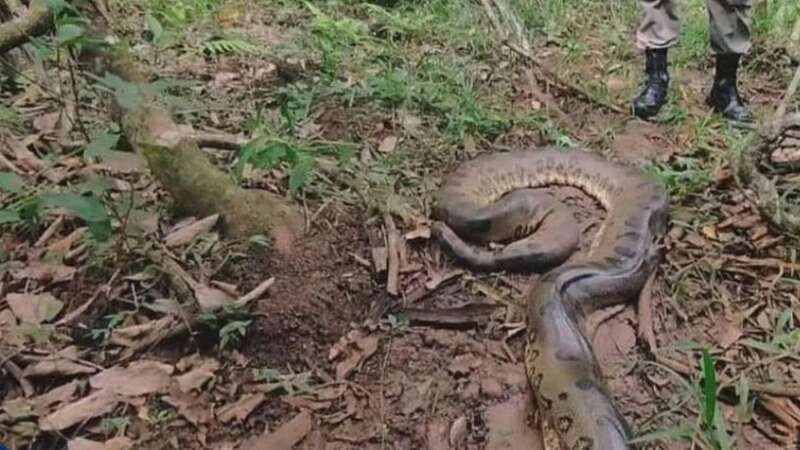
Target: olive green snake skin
(492,199)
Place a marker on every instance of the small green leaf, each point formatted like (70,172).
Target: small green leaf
(57,6)
(69,33)
(97,186)
(679,432)
(51,308)
(709,388)
(300,173)
(102,142)
(11,182)
(9,216)
(155,27)
(89,209)
(127,94)
(101,230)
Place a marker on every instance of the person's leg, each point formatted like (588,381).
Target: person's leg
(730,23)
(658,30)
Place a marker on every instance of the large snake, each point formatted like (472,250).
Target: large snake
(493,199)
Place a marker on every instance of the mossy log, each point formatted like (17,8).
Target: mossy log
(197,186)
(36,22)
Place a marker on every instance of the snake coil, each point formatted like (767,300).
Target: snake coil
(493,199)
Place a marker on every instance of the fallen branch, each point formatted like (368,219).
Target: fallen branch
(36,22)
(570,86)
(393,248)
(468,315)
(218,140)
(197,187)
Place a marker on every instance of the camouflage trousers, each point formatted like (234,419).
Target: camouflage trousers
(729,20)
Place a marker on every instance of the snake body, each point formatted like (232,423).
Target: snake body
(493,199)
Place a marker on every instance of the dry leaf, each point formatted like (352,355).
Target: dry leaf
(186,234)
(195,378)
(96,404)
(34,308)
(64,363)
(358,349)
(65,244)
(7,325)
(458,431)
(436,435)
(388,144)
(193,408)
(46,123)
(726,333)
(410,122)
(62,394)
(710,231)
(120,162)
(285,437)
(240,409)
(127,336)
(463,364)
(18,408)
(140,378)
(211,299)
(41,271)
(117,443)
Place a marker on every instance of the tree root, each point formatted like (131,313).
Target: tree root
(37,21)
(195,184)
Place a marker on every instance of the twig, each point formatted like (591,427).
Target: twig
(101,8)
(516,26)
(36,22)
(556,79)
(50,231)
(71,317)
(493,18)
(255,293)
(9,165)
(393,246)
(218,140)
(790,91)
(16,372)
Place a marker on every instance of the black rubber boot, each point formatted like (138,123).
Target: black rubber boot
(654,95)
(724,97)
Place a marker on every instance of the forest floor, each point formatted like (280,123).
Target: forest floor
(355,110)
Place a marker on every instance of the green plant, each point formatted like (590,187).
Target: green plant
(398,324)
(714,423)
(112,322)
(228,325)
(232,332)
(178,14)
(268,152)
(29,201)
(292,384)
(683,176)
(710,427)
(220,46)
(115,425)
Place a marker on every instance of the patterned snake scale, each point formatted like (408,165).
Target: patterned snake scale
(492,199)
